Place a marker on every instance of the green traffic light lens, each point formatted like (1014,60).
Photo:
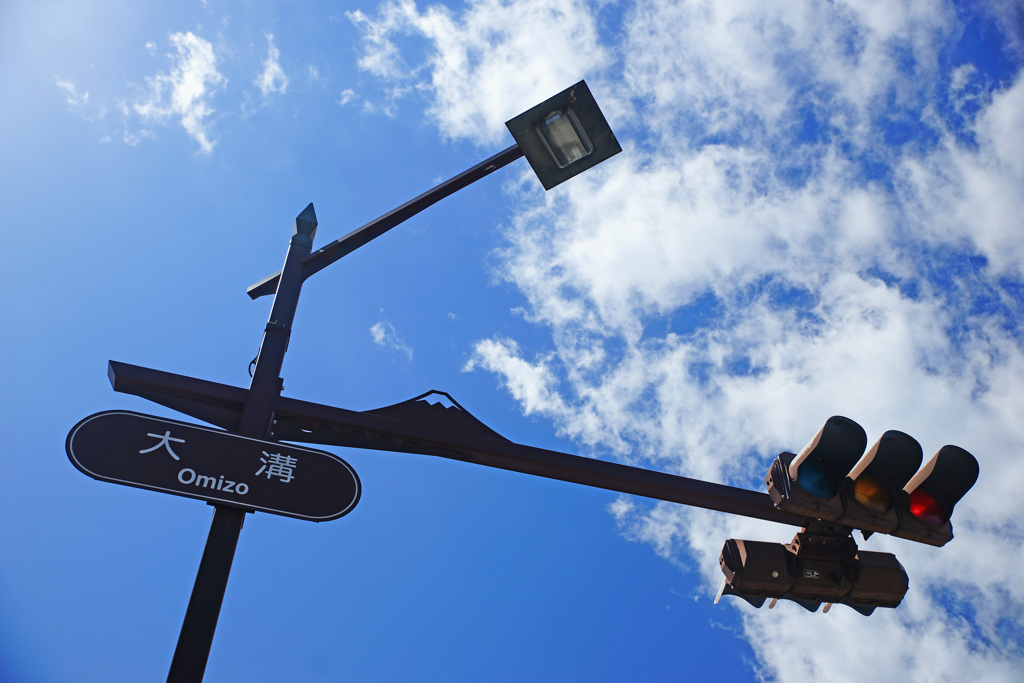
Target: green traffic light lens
(872,495)
(816,480)
(926,507)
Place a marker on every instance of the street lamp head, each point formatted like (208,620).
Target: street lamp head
(564,135)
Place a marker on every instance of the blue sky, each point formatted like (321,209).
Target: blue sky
(817,211)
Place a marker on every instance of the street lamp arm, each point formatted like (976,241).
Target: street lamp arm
(330,253)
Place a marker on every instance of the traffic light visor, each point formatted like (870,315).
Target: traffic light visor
(823,463)
(943,481)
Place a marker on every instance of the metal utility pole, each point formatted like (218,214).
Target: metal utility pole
(193,649)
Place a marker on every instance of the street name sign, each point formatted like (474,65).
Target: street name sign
(216,466)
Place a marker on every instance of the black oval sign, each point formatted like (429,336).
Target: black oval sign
(212,465)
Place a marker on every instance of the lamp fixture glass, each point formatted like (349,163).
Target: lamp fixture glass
(564,137)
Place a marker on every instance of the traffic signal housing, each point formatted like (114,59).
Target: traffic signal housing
(881,491)
(871,492)
(819,566)
(839,487)
(927,501)
(809,483)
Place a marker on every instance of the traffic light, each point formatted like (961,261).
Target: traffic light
(819,566)
(871,491)
(883,491)
(810,482)
(839,487)
(930,495)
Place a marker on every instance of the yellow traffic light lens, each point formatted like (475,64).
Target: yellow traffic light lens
(872,495)
(926,507)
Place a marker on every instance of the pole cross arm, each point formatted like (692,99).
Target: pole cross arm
(419,427)
(218,404)
(330,253)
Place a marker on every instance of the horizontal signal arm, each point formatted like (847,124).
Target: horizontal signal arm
(416,427)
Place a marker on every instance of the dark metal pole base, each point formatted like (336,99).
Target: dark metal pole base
(196,637)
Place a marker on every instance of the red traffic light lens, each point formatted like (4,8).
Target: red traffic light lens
(926,507)
(816,480)
(872,495)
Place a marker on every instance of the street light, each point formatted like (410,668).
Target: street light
(561,137)
(564,135)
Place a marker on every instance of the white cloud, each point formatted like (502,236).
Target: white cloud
(1009,15)
(384,335)
(347,95)
(79,102)
(185,91)
(969,195)
(487,64)
(530,383)
(766,252)
(273,80)
(737,68)
(73,98)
